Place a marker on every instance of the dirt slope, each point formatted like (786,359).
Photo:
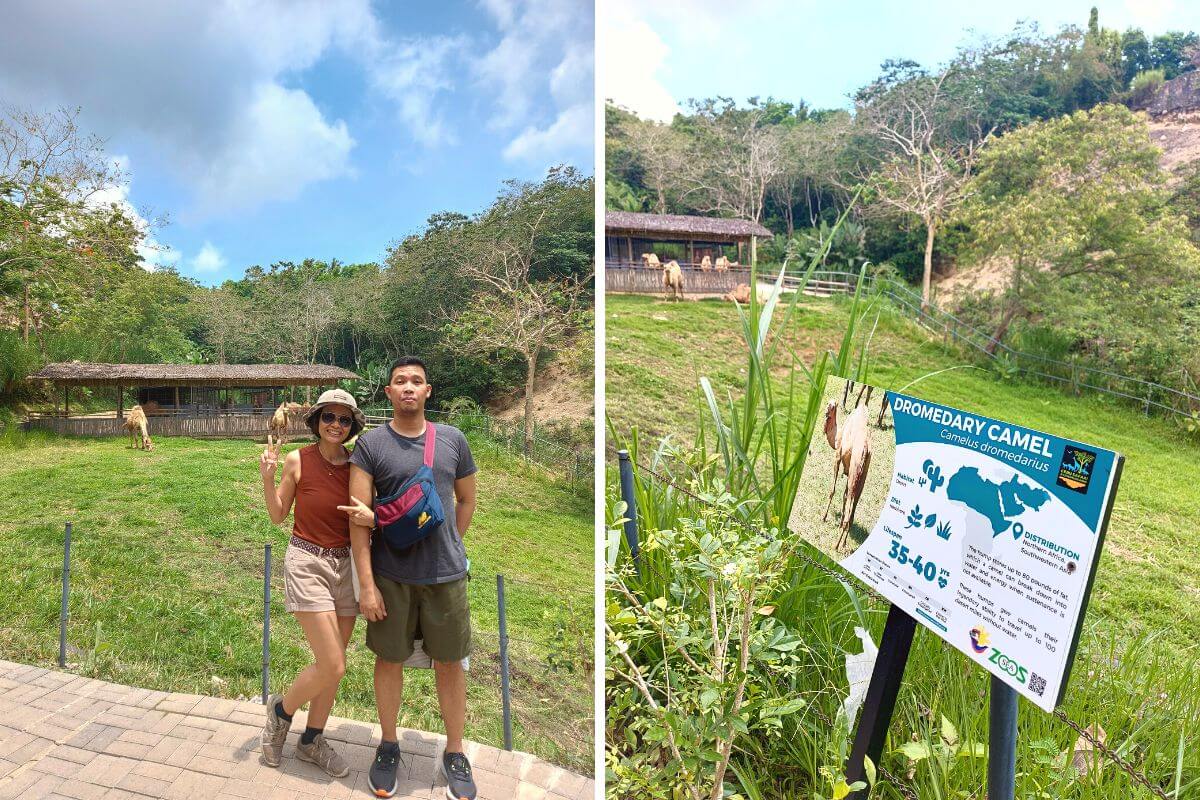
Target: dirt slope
(558,395)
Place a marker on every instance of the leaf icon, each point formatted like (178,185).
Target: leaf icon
(931,520)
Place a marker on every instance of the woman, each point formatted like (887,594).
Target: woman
(318,578)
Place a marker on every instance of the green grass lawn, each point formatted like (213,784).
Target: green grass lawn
(1148,578)
(167,586)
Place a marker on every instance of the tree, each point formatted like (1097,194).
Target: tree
(535,293)
(810,150)
(56,234)
(925,165)
(1078,208)
(659,150)
(735,155)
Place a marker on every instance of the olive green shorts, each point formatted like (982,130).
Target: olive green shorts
(437,613)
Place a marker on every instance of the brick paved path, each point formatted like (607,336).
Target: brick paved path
(63,736)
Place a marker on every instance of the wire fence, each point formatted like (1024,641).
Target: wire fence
(573,462)
(1117,755)
(1074,376)
(207,620)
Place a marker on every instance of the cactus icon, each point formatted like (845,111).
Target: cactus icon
(934,473)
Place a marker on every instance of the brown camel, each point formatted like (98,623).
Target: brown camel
(279,421)
(706,263)
(673,279)
(135,423)
(852,447)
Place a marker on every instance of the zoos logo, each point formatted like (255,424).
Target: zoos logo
(1009,665)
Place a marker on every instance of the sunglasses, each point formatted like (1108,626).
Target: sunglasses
(328,417)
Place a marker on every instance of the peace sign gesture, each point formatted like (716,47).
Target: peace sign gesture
(359,513)
(269,459)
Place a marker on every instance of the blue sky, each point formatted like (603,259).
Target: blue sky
(820,52)
(279,129)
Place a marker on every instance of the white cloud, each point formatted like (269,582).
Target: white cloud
(209,259)
(412,74)
(570,128)
(207,83)
(634,55)
(637,57)
(545,50)
(281,136)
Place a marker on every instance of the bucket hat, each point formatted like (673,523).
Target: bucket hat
(338,397)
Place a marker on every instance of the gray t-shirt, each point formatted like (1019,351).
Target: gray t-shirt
(391,459)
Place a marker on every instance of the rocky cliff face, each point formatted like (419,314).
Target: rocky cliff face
(1178,95)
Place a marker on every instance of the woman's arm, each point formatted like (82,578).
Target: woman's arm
(279,499)
(362,493)
(464,503)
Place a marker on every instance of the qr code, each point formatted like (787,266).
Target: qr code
(1037,684)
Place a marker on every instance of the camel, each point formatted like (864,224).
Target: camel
(673,279)
(742,294)
(706,263)
(279,421)
(722,264)
(650,261)
(135,423)
(852,447)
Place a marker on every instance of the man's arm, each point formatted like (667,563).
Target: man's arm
(362,489)
(464,503)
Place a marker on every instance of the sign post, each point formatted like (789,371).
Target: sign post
(880,701)
(1002,741)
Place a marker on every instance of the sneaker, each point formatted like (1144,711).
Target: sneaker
(459,783)
(274,733)
(320,753)
(382,777)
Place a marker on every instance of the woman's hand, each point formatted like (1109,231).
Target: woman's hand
(359,513)
(269,460)
(370,603)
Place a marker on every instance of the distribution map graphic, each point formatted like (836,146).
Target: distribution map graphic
(1001,503)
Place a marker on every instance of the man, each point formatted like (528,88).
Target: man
(422,587)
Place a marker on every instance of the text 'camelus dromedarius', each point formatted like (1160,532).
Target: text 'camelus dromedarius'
(852,449)
(135,423)
(673,279)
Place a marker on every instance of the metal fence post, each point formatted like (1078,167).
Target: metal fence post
(66,593)
(627,494)
(266,647)
(1002,741)
(504,687)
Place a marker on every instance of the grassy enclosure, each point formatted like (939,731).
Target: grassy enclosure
(1137,671)
(1147,579)
(167,587)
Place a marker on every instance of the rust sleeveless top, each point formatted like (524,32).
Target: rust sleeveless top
(322,488)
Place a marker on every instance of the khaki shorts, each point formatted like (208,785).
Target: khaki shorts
(318,583)
(439,614)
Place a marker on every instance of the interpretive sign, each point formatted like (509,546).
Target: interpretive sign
(986,532)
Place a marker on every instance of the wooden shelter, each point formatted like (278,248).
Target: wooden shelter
(687,239)
(198,399)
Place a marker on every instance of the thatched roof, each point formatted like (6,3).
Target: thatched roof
(77,373)
(629,223)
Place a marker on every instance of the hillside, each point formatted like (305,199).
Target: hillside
(1147,579)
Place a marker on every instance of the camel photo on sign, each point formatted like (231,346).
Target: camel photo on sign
(848,469)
